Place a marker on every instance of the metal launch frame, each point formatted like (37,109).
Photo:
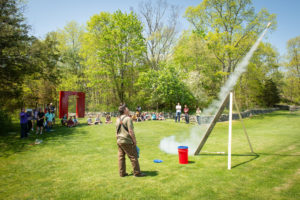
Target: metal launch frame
(215,120)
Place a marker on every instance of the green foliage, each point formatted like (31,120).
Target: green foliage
(229,28)
(5,122)
(204,75)
(164,88)
(270,93)
(114,49)
(71,63)
(291,87)
(14,49)
(250,89)
(39,87)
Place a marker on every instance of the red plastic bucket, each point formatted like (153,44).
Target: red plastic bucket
(183,154)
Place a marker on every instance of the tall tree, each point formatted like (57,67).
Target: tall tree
(39,87)
(114,50)
(14,50)
(160,20)
(291,89)
(164,88)
(229,28)
(71,63)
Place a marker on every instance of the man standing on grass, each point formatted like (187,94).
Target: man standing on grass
(126,143)
(186,114)
(178,112)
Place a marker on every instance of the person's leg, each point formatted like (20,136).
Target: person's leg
(188,118)
(122,163)
(48,126)
(198,120)
(22,131)
(176,117)
(131,152)
(179,116)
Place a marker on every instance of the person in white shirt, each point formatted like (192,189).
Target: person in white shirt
(178,112)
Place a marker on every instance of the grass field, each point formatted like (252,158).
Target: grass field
(82,163)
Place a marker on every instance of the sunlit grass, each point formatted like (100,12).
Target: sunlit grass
(82,163)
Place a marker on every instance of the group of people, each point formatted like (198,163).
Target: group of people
(146,116)
(71,122)
(38,118)
(98,120)
(186,114)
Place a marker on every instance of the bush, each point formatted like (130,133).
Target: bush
(5,122)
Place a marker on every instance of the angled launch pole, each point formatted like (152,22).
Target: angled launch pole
(240,116)
(211,125)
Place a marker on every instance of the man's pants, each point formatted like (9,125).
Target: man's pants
(187,118)
(131,152)
(24,130)
(177,117)
(199,120)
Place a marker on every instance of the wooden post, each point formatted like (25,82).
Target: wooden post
(211,125)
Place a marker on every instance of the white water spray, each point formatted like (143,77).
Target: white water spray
(170,144)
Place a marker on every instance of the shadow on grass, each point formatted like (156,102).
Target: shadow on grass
(247,161)
(10,143)
(191,162)
(151,173)
(255,156)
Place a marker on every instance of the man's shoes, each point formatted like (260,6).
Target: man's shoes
(126,174)
(140,175)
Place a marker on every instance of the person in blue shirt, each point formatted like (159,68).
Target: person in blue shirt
(49,117)
(153,116)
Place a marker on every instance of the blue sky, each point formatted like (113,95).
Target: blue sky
(49,15)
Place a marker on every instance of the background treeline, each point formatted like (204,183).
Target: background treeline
(141,58)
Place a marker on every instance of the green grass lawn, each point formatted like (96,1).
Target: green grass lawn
(82,163)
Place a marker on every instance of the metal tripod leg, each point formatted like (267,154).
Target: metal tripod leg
(240,116)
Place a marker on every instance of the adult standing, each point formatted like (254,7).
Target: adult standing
(29,120)
(40,121)
(23,123)
(178,112)
(186,114)
(126,142)
(52,110)
(198,113)
(49,117)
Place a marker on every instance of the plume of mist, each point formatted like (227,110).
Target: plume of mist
(193,139)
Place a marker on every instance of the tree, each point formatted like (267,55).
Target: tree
(163,88)
(114,48)
(229,28)
(195,59)
(251,90)
(71,63)
(291,89)
(14,50)
(160,20)
(39,87)
(270,93)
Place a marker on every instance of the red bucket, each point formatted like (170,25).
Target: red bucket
(183,154)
